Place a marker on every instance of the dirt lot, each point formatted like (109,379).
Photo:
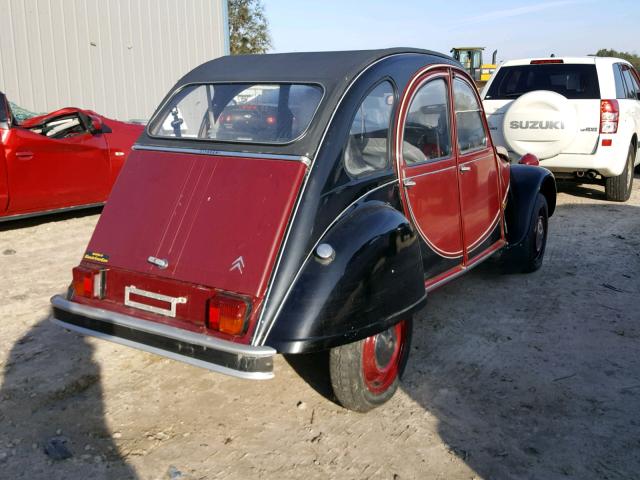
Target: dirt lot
(511,376)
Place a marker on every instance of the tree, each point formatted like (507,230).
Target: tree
(248,27)
(630,57)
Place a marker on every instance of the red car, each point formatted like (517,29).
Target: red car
(64,160)
(379,183)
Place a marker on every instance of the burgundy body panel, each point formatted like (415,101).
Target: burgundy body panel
(38,173)
(201,213)
(435,206)
(480,196)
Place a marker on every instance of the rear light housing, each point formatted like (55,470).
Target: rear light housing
(529,159)
(88,283)
(228,313)
(548,60)
(609,116)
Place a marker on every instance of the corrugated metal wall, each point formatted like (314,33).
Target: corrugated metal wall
(117,57)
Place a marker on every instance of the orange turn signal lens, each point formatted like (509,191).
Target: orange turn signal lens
(88,283)
(228,314)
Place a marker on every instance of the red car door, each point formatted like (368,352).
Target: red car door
(429,172)
(47,173)
(478,173)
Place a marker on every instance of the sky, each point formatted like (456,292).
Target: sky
(516,29)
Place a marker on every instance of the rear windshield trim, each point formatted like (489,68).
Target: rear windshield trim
(497,89)
(224,153)
(236,142)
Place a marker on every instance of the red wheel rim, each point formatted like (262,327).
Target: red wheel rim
(381,357)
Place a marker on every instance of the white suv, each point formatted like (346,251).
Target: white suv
(579,116)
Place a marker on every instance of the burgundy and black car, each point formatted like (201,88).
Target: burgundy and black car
(376,182)
(63,160)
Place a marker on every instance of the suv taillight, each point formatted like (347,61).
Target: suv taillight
(228,314)
(88,283)
(609,114)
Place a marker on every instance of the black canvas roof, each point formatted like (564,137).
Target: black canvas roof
(330,69)
(334,71)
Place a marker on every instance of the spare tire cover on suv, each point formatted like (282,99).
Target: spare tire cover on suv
(540,122)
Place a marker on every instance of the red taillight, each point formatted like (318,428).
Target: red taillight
(609,114)
(228,314)
(607,142)
(550,60)
(88,283)
(529,159)
(271,120)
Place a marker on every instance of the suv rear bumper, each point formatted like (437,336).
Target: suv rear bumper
(239,360)
(607,161)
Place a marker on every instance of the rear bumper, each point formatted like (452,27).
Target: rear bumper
(221,356)
(607,161)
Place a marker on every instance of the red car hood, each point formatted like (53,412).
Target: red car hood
(217,221)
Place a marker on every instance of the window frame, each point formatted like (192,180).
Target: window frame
(428,79)
(483,120)
(392,114)
(155,117)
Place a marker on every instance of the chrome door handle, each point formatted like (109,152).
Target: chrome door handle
(465,168)
(407,182)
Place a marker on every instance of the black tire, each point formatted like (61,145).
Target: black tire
(618,189)
(527,257)
(351,374)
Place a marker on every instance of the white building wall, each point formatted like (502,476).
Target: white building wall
(117,57)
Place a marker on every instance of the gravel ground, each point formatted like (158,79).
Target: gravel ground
(510,377)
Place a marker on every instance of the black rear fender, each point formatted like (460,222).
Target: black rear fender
(375,280)
(525,184)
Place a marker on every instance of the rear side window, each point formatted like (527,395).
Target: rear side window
(469,125)
(239,112)
(574,81)
(631,83)
(617,76)
(368,144)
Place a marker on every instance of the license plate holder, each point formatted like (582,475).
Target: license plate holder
(168,312)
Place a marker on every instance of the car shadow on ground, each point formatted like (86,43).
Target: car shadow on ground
(538,376)
(52,424)
(52,217)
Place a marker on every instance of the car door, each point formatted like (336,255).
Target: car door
(428,172)
(5,121)
(66,169)
(478,173)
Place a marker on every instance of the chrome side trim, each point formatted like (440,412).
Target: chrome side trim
(463,269)
(160,329)
(49,212)
(223,153)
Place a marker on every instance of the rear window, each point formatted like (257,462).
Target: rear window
(574,81)
(238,112)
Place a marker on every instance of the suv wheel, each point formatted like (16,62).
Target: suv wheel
(618,189)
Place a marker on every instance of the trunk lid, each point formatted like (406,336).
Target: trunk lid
(216,221)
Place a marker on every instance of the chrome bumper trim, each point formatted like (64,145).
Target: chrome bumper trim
(222,356)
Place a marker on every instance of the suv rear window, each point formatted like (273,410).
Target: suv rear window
(574,81)
(238,112)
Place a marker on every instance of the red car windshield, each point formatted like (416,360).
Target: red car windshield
(238,112)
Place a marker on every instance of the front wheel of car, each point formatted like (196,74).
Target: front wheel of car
(527,256)
(365,374)
(618,189)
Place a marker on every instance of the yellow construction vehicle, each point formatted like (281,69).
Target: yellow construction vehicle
(471,60)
